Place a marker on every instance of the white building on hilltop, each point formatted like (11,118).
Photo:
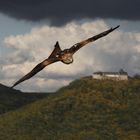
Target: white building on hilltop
(121,75)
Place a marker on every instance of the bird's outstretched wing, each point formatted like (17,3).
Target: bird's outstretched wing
(34,71)
(51,59)
(79,45)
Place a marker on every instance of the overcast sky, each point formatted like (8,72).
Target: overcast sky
(30,28)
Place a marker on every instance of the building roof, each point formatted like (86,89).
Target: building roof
(121,72)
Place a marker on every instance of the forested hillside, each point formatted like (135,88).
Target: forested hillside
(87,109)
(11,99)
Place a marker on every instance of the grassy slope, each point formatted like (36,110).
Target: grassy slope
(11,99)
(85,110)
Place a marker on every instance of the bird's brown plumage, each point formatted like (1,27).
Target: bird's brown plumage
(64,56)
(79,45)
(51,59)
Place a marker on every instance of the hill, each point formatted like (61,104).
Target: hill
(5,89)
(11,99)
(87,109)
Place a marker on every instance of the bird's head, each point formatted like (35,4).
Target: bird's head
(67,58)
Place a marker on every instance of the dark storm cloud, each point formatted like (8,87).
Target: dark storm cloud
(62,11)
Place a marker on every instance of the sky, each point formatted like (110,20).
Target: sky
(29,30)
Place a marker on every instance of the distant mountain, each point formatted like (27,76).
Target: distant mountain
(11,99)
(5,89)
(87,109)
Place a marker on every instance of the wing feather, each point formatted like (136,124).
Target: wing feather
(79,45)
(35,70)
(51,59)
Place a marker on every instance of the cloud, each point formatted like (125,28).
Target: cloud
(117,50)
(61,12)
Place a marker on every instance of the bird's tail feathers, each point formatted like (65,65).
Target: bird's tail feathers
(56,50)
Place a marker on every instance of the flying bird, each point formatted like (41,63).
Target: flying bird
(65,56)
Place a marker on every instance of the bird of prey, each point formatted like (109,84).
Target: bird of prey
(65,56)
